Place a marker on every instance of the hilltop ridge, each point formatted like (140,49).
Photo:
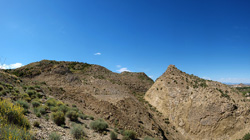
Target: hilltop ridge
(199,108)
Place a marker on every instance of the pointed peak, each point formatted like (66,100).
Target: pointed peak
(172,68)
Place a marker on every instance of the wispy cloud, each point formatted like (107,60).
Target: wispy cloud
(118,66)
(234,80)
(11,66)
(151,76)
(123,69)
(98,53)
(207,78)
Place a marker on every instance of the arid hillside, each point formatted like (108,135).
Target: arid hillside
(117,98)
(200,109)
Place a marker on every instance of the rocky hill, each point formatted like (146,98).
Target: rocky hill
(200,109)
(177,106)
(98,92)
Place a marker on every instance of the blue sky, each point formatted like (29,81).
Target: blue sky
(208,38)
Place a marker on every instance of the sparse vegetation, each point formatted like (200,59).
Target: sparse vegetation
(77,131)
(58,117)
(36,124)
(246,137)
(13,124)
(99,125)
(130,134)
(72,115)
(54,136)
(13,114)
(113,135)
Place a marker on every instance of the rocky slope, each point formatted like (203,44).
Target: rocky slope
(198,108)
(98,92)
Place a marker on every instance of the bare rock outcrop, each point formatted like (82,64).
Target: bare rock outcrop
(199,108)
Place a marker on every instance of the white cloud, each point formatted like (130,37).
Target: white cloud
(118,66)
(151,76)
(123,69)
(11,66)
(207,78)
(98,53)
(234,80)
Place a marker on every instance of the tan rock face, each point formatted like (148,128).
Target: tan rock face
(198,108)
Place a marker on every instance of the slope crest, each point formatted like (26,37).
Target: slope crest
(199,108)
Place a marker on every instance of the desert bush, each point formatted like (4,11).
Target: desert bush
(54,108)
(58,117)
(35,103)
(91,117)
(54,136)
(131,134)
(42,110)
(46,117)
(1,88)
(125,138)
(99,125)
(59,103)
(13,114)
(39,95)
(12,132)
(246,137)
(31,92)
(77,131)
(75,109)
(113,135)
(4,92)
(72,115)
(51,102)
(63,108)
(82,116)
(23,104)
(36,124)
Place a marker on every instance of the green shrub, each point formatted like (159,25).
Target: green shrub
(63,108)
(46,117)
(31,92)
(13,114)
(113,135)
(38,114)
(131,134)
(36,124)
(39,95)
(35,103)
(72,115)
(42,109)
(54,108)
(51,102)
(1,88)
(99,125)
(73,105)
(77,131)
(91,117)
(24,95)
(125,138)
(23,104)
(4,92)
(75,109)
(246,137)
(82,116)
(54,136)
(15,132)
(58,117)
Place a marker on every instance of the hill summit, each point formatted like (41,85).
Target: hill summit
(199,108)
